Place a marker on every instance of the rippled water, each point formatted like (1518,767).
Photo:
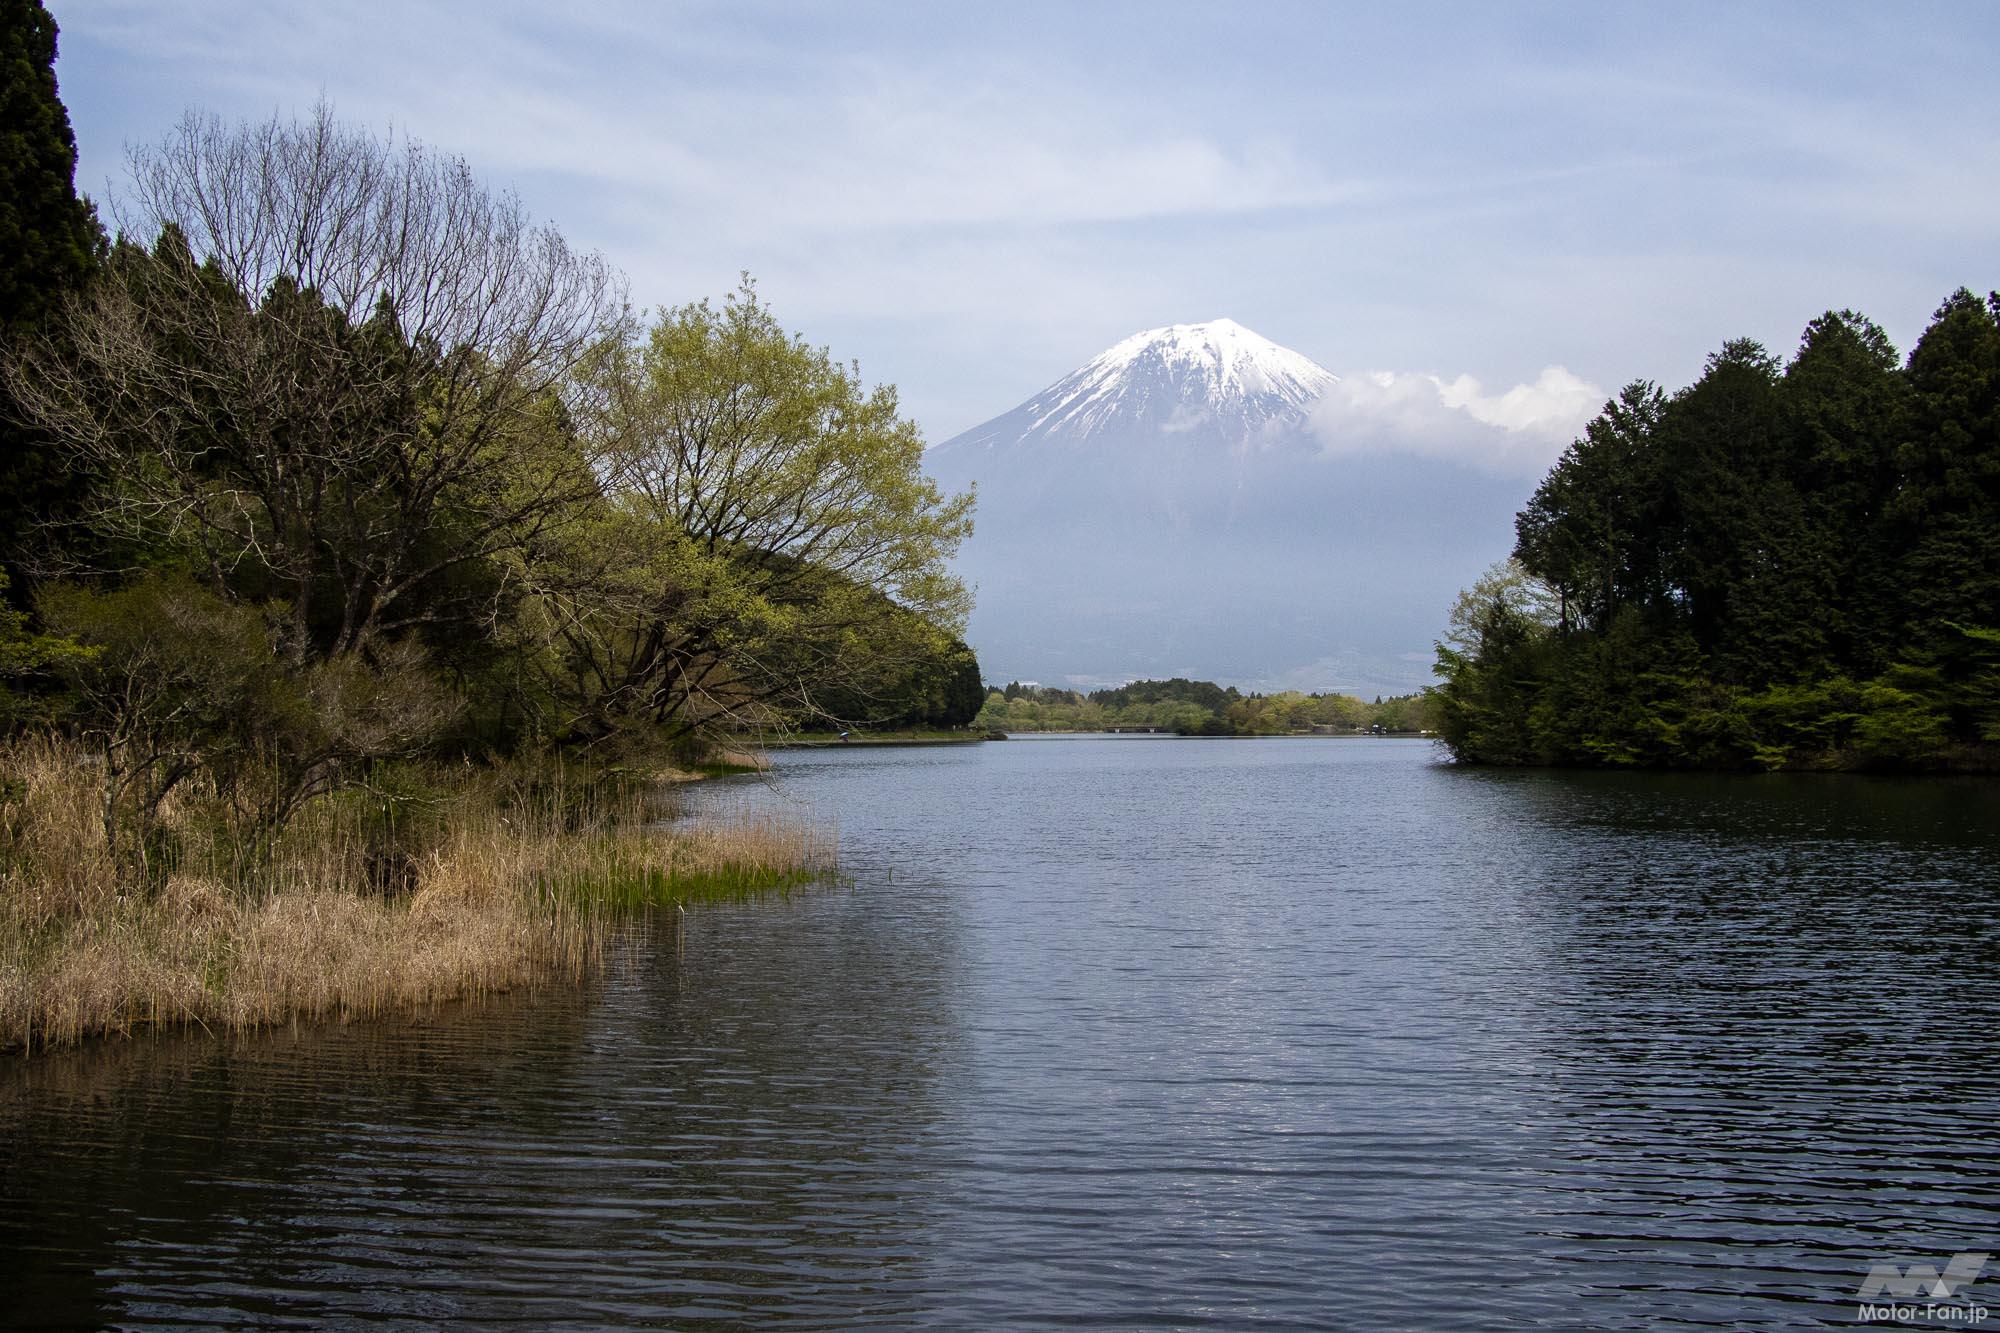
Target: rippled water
(1121,1031)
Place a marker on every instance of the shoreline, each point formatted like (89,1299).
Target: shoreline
(1159,733)
(487,888)
(879,742)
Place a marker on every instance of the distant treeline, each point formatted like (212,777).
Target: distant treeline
(1788,565)
(1196,708)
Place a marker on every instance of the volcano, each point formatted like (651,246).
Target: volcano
(1170,509)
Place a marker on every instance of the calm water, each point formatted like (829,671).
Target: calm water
(1121,1031)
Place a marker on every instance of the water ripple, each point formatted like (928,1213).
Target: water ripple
(1153,1034)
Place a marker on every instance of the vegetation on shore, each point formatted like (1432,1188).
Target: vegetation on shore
(339,491)
(1197,708)
(1791,566)
(429,885)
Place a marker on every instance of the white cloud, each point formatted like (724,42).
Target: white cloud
(973,200)
(814,142)
(1521,429)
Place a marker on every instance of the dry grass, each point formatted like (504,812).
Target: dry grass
(721,762)
(479,893)
(748,761)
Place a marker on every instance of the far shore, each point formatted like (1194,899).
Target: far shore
(1164,733)
(818,740)
(835,741)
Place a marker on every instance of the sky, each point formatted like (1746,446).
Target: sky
(1486,218)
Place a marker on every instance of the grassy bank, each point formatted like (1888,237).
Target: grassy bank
(442,885)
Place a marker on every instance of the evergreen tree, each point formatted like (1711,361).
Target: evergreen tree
(1765,570)
(49,239)
(1946,517)
(49,243)
(1946,510)
(1591,529)
(1844,404)
(1724,491)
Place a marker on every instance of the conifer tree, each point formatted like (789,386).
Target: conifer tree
(49,239)
(1947,508)
(1844,402)
(1797,569)
(50,242)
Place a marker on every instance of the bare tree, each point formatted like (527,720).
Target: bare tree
(343,372)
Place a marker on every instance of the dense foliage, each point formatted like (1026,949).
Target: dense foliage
(49,238)
(367,467)
(1197,708)
(50,244)
(1778,566)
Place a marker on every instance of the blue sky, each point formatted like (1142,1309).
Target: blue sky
(970,200)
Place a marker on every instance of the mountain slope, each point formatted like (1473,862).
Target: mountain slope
(1167,510)
(1217,377)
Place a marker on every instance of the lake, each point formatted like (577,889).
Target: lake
(1119,1031)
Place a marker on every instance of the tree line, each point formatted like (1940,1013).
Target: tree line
(334,457)
(1781,565)
(1197,708)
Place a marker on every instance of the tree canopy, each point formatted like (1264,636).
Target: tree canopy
(765,544)
(373,466)
(1780,564)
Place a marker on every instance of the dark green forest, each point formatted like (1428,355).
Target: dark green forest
(1782,565)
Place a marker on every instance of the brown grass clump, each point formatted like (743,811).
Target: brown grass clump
(473,894)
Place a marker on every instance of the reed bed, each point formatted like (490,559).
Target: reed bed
(369,904)
(635,867)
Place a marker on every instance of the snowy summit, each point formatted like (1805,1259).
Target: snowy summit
(1169,509)
(1218,376)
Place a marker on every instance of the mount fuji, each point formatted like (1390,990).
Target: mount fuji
(1217,377)
(1170,508)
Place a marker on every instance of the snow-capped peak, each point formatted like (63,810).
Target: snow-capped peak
(1179,378)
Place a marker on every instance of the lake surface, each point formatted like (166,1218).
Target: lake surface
(1122,1030)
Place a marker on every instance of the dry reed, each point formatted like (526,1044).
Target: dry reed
(487,892)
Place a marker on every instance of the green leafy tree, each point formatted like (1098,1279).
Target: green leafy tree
(172,680)
(1342,712)
(767,542)
(962,694)
(1509,584)
(925,683)
(29,657)
(338,393)
(1484,708)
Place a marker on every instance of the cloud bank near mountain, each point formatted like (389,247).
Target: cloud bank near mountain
(1168,509)
(1522,429)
